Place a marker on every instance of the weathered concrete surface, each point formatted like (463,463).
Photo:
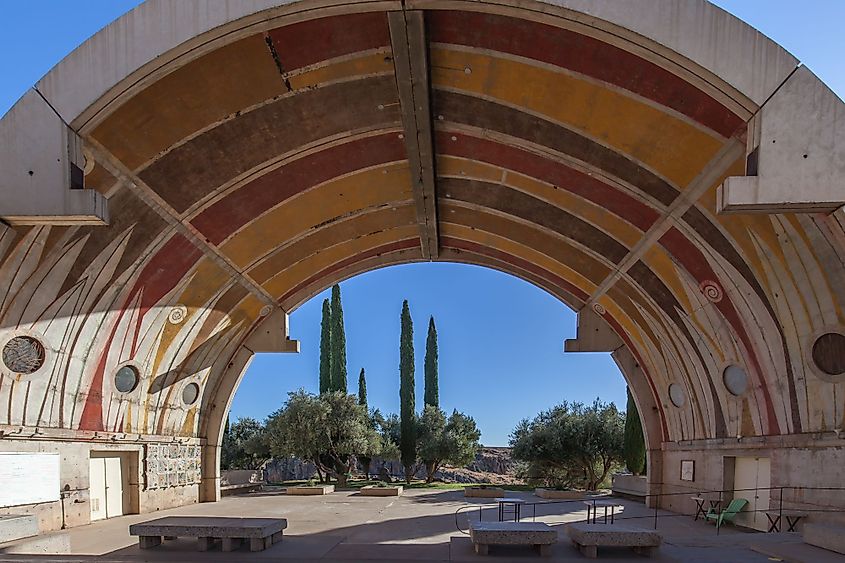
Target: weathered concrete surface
(825,536)
(310,490)
(798,142)
(594,335)
(631,485)
(17,526)
(589,537)
(560,495)
(39,153)
(212,526)
(418,526)
(484,492)
(535,534)
(374,491)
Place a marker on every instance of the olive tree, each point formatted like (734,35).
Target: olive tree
(571,444)
(329,430)
(442,440)
(243,445)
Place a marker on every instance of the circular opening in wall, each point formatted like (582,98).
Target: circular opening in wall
(829,353)
(677,395)
(190,393)
(23,354)
(735,380)
(126,379)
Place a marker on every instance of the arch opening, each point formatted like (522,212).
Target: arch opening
(240,162)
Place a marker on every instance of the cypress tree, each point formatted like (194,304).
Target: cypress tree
(634,442)
(407,418)
(338,369)
(362,389)
(432,389)
(326,349)
(364,460)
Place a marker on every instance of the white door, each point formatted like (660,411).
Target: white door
(97,487)
(114,487)
(105,487)
(751,480)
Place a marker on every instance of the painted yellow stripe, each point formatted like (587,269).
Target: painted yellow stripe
(661,141)
(366,65)
(286,280)
(331,200)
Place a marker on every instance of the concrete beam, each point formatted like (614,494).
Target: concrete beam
(594,334)
(41,170)
(795,153)
(709,175)
(146,194)
(410,59)
(272,335)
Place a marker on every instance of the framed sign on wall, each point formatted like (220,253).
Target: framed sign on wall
(687,470)
(28,478)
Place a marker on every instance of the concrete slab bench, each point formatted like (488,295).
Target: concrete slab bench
(261,533)
(227,490)
(589,537)
(825,536)
(536,534)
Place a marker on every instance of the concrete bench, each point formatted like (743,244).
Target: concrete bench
(536,534)
(227,490)
(260,532)
(588,537)
(825,536)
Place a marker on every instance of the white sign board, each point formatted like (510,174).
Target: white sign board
(28,478)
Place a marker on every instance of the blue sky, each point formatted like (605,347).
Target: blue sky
(501,339)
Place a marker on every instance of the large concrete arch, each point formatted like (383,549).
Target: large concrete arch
(193,172)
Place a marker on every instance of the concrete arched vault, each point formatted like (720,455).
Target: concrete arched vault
(195,171)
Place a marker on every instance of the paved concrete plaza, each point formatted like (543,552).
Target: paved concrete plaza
(419,526)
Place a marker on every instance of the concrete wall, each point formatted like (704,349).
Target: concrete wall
(800,464)
(74,482)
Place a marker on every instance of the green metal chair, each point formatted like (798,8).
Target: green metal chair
(728,514)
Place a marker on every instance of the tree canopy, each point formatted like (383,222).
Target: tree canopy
(329,430)
(243,445)
(452,441)
(326,349)
(338,340)
(634,442)
(571,444)
(407,414)
(432,391)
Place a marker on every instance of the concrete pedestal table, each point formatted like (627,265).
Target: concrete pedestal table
(260,532)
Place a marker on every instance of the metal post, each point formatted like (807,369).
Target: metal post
(656,503)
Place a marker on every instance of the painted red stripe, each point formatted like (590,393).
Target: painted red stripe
(561,176)
(161,274)
(238,208)
(584,55)
(694,262)
(309,42)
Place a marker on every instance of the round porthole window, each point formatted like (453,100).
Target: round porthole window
(126,379)
(190,393)
(23,354)
(677,395)
(735,380)
(829,353)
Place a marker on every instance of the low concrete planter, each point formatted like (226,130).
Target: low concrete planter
(630,485)
(484,492)
(562,495)
(374,491)
(306,490)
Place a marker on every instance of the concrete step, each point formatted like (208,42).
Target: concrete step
(17,526)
